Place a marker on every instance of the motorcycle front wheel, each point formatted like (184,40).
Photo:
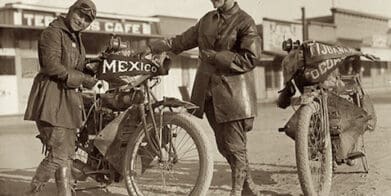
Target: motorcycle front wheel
(313,152)
(185,166)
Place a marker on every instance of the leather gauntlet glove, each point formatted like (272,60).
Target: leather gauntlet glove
(89,82)
(76,78)
(284,98)
(159,46)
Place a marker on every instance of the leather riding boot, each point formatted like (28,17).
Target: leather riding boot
(238,177)
(249,187)
(40,179)
(235,193)
(63,181)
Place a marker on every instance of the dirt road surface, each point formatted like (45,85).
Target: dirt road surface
(271,156)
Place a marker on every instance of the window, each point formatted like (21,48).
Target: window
(30,67)
(366,68)
(28,41)
(7,65)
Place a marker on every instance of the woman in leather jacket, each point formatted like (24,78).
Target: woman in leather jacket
(55,103)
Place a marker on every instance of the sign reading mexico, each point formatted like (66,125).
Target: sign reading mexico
(117,65)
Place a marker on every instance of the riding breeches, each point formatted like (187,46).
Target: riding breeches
(231,142)
(60,149)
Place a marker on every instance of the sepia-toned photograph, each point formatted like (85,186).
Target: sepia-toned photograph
(195,97)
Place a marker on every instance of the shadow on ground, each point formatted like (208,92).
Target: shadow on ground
(17,183)
(262,175)
(18,187)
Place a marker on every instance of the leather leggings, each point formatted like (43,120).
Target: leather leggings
(60,149)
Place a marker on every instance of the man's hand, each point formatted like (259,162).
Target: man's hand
(159,46)
(208,56)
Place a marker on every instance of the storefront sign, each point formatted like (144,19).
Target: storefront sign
(377,41)
(37,19)
(120,27)
(275,32)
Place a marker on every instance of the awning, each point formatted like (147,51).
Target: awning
(23,27)
(194,53)
(383,53)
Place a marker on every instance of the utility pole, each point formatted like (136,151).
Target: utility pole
(304,24)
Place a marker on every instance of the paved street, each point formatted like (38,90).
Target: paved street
(271,155)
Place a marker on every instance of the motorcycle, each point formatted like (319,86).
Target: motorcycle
(333,111)
(154,146)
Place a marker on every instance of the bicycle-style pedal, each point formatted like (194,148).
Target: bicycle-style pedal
(355,155)
(78,189)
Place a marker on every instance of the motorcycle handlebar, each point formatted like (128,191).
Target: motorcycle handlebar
(289,45)
(116,44)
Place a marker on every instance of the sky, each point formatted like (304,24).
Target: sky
(276,9)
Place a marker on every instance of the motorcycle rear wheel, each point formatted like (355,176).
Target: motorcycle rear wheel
(186,169)
(313,153)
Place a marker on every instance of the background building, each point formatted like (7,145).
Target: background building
(365,32)
(368,33)
(20,28)
(183,66)
(21,25)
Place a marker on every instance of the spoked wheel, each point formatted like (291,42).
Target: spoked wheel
(184,168)
(313,152)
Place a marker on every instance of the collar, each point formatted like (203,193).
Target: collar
(230,12)
(60,23)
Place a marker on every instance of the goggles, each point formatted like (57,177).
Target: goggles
(87,10)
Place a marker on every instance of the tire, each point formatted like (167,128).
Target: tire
(142,168)
(314,182)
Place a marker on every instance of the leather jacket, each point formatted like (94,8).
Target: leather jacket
(226,74)
(53,97)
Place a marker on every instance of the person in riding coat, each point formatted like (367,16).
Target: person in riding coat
(224,90)
(54,102)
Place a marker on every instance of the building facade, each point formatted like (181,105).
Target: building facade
(365,32)
(368,33)
(184,66)
(20,29)
(22,24)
